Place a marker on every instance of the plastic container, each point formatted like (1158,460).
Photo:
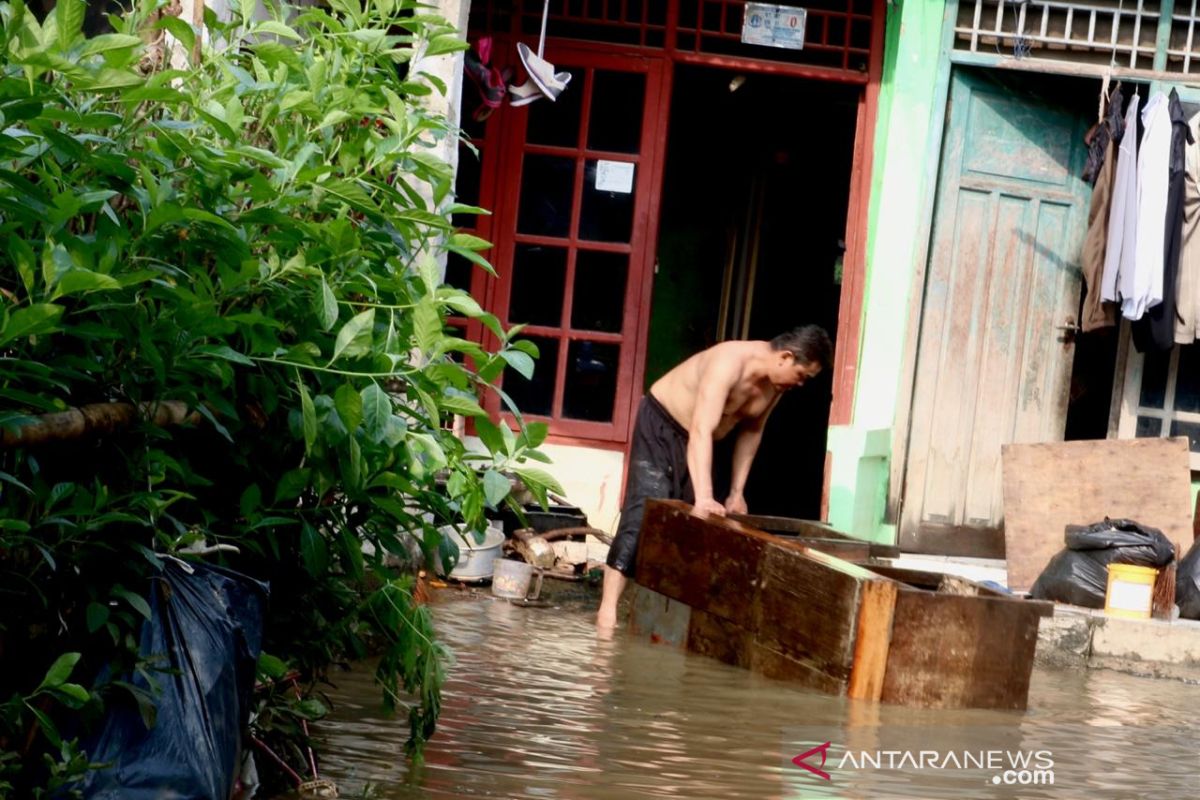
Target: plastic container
(1130,591)
(511,579)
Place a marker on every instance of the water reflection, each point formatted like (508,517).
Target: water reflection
(537,706)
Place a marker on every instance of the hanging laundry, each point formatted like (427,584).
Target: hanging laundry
(1187,300)
(1142,290)
(1102,169)
(1156,330)
(1122,215)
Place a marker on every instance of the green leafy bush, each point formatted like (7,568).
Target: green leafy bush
(253,239)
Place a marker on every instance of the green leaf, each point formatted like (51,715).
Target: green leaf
(334,117)
(59,671)
(181,30)
(48,729)
(446,43)
(464,304)
(457,404)
(32,320)
(349,406)
(277,28)
(97,615)
(308,416)
(519,361)
(538,478)
(311,709)
(535,433)
(351,554)
(72,695)
(489,434)
(313,550)
(271,666)
(109,79)
(355,337)
(82,281)
(431,273)
(229,354)
(468,241)
(351,194)
(376,410)
(69,17)
(327,307)
(427,325)
(495,487)
(136,601)
(107,42)
(23,256)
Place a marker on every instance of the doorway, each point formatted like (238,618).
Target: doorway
(754,203)
(1002,289)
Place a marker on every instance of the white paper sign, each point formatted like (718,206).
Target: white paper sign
(774,26)
(614,176)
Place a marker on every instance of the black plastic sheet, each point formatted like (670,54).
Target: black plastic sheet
(1187,584)
(204,635)
(1079,574)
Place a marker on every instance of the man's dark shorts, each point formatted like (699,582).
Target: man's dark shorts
(657,468)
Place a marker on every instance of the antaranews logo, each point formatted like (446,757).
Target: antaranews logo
(1002,767)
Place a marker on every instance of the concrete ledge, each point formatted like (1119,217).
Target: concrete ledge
(1075,638)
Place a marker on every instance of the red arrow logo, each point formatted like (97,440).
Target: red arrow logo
(799,760)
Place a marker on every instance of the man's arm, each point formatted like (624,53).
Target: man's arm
(744,450)
(715,382)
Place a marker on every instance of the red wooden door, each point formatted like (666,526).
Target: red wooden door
(578,182)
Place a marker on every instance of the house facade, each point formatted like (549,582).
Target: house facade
(909,178)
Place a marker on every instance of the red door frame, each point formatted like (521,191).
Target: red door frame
(501,142)
(649,161)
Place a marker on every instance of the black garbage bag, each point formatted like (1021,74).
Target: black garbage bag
(204,635)
(1079,574)
(1187,584)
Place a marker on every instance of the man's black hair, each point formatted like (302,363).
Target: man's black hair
(809,344)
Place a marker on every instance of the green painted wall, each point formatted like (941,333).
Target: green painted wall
(901,196)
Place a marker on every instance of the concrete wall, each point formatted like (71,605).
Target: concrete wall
(901,194)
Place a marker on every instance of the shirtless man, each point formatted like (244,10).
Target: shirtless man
(730,386)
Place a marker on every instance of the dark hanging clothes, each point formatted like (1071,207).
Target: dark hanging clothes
(1107,130)
(1101,170)
(1156,330)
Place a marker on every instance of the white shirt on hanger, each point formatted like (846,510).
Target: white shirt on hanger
(1122,213)
(1153,173)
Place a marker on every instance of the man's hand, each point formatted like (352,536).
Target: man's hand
(710,506)
(735,504)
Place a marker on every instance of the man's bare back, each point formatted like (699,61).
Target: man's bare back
(752,394)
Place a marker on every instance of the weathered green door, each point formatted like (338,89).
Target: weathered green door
(1001,292)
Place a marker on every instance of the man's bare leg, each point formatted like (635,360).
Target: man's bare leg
(614,585)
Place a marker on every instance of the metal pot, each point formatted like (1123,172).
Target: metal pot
(475,561)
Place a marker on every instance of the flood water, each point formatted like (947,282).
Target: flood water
(537,706)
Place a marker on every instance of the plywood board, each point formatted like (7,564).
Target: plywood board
(953,651)
(1049,486)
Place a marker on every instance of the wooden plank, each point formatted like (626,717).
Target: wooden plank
(818,535)
(872,640)
(949,651)
(806,610)
(694,559)
(659,618)
(710,635)
(1049,486)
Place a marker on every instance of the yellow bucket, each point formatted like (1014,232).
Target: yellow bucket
(1130,590)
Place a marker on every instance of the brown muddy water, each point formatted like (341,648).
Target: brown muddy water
(536,706)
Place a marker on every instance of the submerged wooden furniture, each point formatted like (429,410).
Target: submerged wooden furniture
(783,608)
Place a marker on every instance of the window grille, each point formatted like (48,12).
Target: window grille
(1162,396)
(1120,32)
(838,33)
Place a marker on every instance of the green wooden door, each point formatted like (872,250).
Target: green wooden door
(1002,282)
